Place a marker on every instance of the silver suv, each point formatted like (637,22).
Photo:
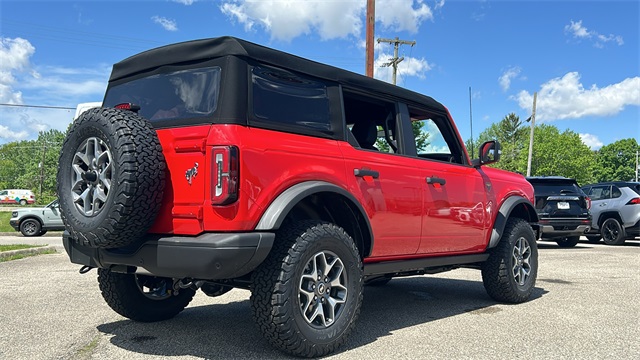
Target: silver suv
(615,207)
(37,221)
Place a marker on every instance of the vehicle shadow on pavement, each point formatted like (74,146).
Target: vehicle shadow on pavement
(228,330)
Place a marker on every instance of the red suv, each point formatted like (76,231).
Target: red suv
(219,163)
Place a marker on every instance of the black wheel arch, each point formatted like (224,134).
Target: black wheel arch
(608,215)
(321,200)
(30,217)
(514,206)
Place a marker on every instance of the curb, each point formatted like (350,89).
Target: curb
(48,234)
(30,251)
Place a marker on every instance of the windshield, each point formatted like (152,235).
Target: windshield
(181,94)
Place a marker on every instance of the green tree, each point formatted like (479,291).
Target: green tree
(617,161)
(558,153)
(512,137)
(422,138)
(32,164)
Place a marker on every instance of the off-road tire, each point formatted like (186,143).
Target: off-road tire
(594,239)
(123,294)
(277,298)
(30,227)
(130,156)
(612,232)
(569,241)
(503,270)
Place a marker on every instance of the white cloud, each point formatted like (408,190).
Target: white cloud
(566,98)
(8,135)
(408,67)
(505,79)
(580,32)
(22,82)
(591,141)
(14,58)
(439,5)
(167,24)
(401,15)
(184,2)
(286,19)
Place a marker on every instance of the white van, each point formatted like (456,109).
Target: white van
(82,107)
(17,196)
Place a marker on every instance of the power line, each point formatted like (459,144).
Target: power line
(39,106)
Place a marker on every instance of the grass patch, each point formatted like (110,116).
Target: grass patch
(4,221)
(10,247)
(87,350)
(22,256)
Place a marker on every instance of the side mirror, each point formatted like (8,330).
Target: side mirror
(489,153)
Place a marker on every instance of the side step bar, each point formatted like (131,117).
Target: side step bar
(391,267)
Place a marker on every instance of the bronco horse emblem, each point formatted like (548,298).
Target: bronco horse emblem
(191,173)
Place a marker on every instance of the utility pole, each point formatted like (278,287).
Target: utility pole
(371,20)
(471,123)
(395,60)
(637,165)
(533,125)
(44,152)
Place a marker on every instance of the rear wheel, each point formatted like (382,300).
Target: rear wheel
(23,202)
(568,242)
(612,232)
(509,275)
(141,297)
(306,295)
(30,227)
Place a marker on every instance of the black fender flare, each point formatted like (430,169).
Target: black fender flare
(278,210)
(507,207)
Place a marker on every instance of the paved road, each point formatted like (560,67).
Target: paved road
(585,306)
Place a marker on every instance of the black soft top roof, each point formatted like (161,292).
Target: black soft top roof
(201,50)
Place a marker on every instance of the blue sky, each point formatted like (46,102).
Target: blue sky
(581,57)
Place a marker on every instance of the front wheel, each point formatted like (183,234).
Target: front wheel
(23,202)
(141,297)
(30,227)
(509,275)
(612,232)
(306,295)
(568,242)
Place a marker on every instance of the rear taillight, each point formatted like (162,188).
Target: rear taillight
(128,106)
(634,201)
(588,200)
(224,175)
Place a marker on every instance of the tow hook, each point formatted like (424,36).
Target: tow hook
(85,269)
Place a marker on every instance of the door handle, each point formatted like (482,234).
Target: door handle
(436,180)
(366,172)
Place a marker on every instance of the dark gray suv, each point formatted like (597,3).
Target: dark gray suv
(615,210)
(563,209)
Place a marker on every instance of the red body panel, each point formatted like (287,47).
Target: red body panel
(409,218)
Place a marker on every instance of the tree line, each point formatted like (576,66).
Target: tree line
(559,153)
(33,164)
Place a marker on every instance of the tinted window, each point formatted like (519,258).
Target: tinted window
(600,192)
(556,188)
(288,99)
(181,94)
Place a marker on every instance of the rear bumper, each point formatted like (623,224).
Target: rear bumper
(210,256)
(563,228)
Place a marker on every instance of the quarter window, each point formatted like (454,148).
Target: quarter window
(286,99)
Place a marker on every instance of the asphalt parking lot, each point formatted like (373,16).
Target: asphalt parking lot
(586,305)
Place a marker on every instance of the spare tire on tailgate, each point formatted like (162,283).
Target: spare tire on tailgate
(110,178)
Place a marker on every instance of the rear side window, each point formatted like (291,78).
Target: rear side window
(288,101)
(600,192)
(183,94)
(556,188)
